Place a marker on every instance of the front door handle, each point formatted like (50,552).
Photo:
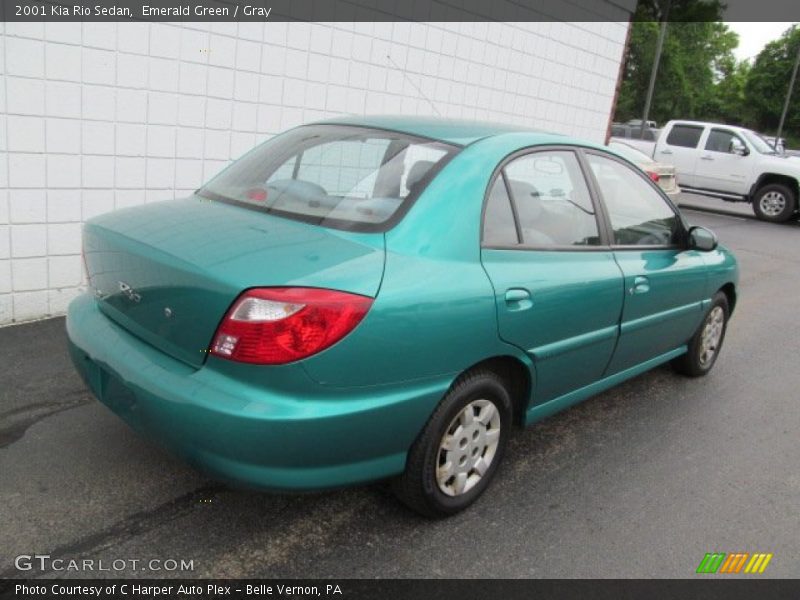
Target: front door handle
(518,299)
(641,285)
(706,157)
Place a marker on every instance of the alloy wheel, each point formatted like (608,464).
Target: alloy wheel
(772,203)
(712,335)
(468,447)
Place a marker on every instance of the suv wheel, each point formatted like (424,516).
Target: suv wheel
(774,202)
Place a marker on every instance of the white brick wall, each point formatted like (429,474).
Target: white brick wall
(95,117)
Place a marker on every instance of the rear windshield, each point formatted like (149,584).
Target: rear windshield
(338,176)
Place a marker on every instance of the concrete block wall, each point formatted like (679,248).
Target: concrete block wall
(95,117)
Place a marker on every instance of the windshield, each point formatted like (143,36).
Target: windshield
(337,176)
(759,143)
(631,153)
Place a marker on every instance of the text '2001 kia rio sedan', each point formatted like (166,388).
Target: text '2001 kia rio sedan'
(364,299)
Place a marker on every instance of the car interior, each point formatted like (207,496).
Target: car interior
(313,199)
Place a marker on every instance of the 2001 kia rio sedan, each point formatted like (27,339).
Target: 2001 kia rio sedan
(368,298)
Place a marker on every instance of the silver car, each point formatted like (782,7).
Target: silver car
(663,174)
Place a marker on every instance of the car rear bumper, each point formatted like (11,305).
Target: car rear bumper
(670,186)
(311,437)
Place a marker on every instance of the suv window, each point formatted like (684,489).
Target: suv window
(685,135)
(635,133)
(552,200)
(719,140)
(639,214)
(619,131)
(499,227)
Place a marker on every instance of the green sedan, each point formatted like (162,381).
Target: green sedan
(387,298)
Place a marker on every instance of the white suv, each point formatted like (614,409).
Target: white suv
(731,163)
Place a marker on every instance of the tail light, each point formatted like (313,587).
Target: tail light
(653,176)
(274,326)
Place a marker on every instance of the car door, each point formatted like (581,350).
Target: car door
(558,289)
(721,169)
(680,149)
(665,284)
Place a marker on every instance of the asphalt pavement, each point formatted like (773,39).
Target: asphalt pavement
(640,481)
(715,205)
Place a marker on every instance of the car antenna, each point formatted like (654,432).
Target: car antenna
(421,93)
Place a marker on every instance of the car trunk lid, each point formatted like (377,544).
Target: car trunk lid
(167,272)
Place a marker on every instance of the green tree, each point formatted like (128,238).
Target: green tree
(768,82)
(697,56)
(726,101)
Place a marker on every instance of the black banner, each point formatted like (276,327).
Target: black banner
(317,10)
(402,589)
(366,10)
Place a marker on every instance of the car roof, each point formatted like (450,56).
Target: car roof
(631,153)
(451,131)
(708,124)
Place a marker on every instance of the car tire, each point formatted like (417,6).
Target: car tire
(774,202)
(706,343)
(456,435)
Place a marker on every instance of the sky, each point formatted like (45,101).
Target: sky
(754,36)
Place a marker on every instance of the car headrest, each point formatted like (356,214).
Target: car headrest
(528,200)
(417,173)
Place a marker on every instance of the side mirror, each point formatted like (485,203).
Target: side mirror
(702,239)
(737,147)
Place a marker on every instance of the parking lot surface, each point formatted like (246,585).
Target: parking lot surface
(640,481)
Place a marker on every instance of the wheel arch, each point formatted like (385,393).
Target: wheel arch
(770,178)
(730,293)
(517,375)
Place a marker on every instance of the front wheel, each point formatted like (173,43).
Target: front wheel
(775,203)
(707,341)
(457,453)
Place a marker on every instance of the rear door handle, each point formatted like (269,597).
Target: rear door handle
(666,152)
(706,157)
(518,299)
(641,285)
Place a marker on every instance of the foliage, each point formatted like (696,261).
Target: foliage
(767,82)
(697,56)
(699,77)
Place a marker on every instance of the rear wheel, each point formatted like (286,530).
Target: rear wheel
(457,453)
(707,341)
(774,202)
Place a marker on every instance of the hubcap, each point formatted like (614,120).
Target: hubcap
(711,336)
(468,447)
(772,203)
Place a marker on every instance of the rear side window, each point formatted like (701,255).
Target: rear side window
(686,136)
(552,200)
(337,176)
(499,228)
